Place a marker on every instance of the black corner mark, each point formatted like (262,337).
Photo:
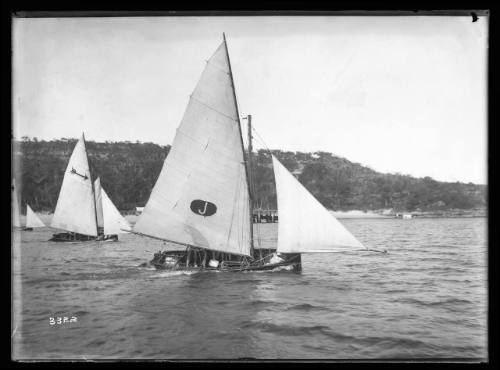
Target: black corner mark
(76,173)
(474,17)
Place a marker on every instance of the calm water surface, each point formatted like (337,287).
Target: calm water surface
(425,298)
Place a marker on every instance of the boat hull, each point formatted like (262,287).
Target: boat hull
(176,261)
(75,237)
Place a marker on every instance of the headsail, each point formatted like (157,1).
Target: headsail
(16,222)
(75,209)
(201,196)
(32,220)
(304,224)
(98,202)
(114,222)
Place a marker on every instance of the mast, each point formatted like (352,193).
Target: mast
(92,182)
(242,147)
(250,169)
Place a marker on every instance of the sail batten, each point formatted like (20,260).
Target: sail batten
(305,226)
(75,210)
(32,220)
(201,197)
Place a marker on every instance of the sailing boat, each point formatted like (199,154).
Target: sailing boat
(15,218)
(86,214)
(32,220)
(202,198)
(76,209)
(109,220)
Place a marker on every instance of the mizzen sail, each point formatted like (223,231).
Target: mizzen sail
(32,220)
(114,222)
(75,209)
(304,224)
(16,222)
(201,197)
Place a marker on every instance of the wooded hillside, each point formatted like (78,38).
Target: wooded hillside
(129,171)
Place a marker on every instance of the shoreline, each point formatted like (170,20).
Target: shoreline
(131,218)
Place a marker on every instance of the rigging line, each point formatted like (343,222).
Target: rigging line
(250,196)
(262,140)
(259,138)
(89,163)
(214,66)
(215,147)
(254,192)
(212,108)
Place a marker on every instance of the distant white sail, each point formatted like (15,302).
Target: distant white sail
(32,220)
(304,224)
(201,196)
(114,222)
(98,202)
(75,209)
(16,222)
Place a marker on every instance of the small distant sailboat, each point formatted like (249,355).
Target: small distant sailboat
(86,214)
(15,216)
(202,198)
(32,220)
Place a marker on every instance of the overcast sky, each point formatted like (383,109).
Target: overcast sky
(399,94)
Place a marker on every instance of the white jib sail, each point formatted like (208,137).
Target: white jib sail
(114,222)
(201,195)
(75,209)
(16,222)
(98,202)
(304,224)
(32,220)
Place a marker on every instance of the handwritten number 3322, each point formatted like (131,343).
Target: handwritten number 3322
(61,320)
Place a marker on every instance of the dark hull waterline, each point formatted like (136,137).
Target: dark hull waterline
(75,237)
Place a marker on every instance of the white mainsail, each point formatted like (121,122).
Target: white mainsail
(16,222)
(98,202)
(75,209)
(114,222)
(32,220)
(304,224)
(201,196)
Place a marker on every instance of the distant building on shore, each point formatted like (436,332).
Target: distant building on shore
(265,215)
(405,216)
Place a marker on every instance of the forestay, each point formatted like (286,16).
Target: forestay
(75,209)
(16,222)
(98,202)
(32,220)
(114,222)
(201,196)
(304,224)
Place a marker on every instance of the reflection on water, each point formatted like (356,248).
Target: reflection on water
(425,298)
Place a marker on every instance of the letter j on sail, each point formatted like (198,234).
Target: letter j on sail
(203,208)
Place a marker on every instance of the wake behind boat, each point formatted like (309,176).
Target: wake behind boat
(202,198)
